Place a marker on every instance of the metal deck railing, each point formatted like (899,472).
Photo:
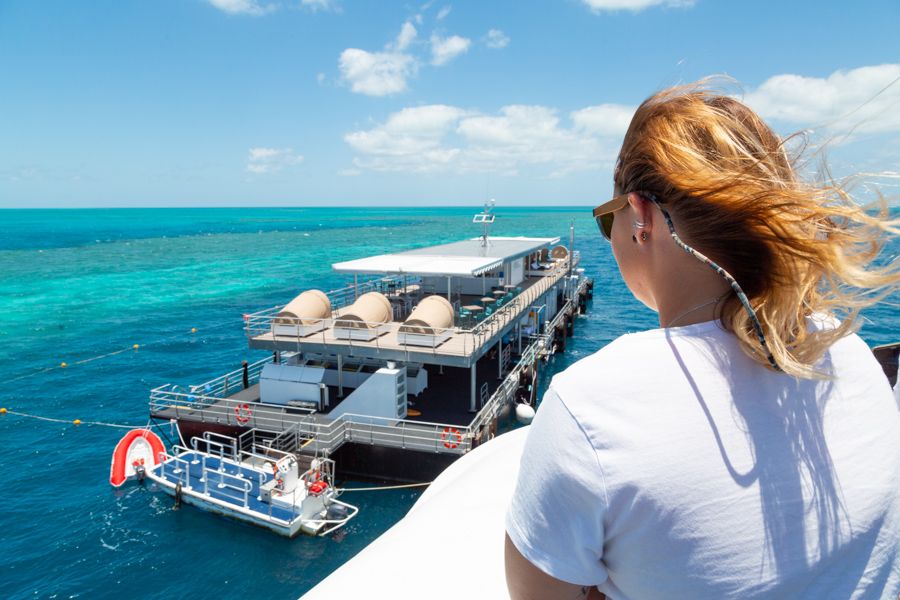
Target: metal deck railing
(298,429)
(458,341)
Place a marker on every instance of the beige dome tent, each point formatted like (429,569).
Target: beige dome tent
(429,324)
(434,313)
(303,315)
(365,318)
(559,252)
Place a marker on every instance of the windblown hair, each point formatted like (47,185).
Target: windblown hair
(796,248)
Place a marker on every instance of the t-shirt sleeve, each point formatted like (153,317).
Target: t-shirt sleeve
(557,511)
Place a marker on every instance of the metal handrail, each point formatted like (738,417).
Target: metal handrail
(219,387)
(260,323)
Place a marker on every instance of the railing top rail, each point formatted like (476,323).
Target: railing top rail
(393,422)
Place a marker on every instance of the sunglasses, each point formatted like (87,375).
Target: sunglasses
(606,212)
(605,215)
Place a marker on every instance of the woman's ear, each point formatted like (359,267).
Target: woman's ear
(641,214)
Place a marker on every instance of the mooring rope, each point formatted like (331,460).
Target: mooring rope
(133,347)
(385,487)
(6,411)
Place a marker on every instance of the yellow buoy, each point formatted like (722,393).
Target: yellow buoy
(193,330)
(2,411)
(136,346)
(63,365)
(77,422)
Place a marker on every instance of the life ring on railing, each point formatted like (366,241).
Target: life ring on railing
(449,435)
(242,413)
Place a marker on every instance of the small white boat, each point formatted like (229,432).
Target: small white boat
(250,480)
(138,451)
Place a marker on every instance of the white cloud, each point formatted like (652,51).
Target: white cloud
(603,119)
(271,160)
(441,138)
(598,6)
(405,37)
(443,50)
(376,73)
(242,7)
(257,7)
(442,14)
(317,5)
(844,101)
(496,39)
(381,73)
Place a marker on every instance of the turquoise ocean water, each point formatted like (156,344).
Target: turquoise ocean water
(76,284)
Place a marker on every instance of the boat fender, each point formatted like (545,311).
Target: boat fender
(524,413)
(177,495)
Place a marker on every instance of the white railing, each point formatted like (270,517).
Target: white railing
(325,332)
(297,427)
(225,385)
(173,403)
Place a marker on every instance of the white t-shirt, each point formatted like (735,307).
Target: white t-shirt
(670,465)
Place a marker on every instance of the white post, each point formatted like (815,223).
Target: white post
(472,402)
(340,375)
(448,289)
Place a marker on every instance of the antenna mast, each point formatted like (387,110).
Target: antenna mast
(485,217)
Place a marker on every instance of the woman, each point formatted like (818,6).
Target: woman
(750,447)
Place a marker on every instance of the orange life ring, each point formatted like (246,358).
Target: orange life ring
(448,435)
(242,413)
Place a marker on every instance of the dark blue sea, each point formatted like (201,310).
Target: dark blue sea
(80,284)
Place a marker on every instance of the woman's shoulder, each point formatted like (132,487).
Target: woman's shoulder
(626,354)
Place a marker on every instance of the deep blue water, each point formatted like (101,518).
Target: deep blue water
(75,284)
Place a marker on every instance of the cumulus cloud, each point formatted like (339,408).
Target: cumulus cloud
(405,37)
(443,50)
(598,6)
(380,73)
(257,8)
(388,71)
(496,39)
(317,5)
(376,73)
(242,7)
(271,160)
(866,100)
(603,119)
(441,138)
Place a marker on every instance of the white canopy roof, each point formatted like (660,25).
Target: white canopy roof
(467,258)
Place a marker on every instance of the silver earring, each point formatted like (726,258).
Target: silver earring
(638,225)
(643,236)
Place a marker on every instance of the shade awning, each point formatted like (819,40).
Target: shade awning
(421,264)
(466,258)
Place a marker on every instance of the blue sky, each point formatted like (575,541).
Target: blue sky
(335,102)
